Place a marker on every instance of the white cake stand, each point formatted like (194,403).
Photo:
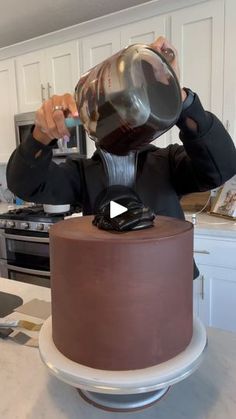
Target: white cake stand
(123,390)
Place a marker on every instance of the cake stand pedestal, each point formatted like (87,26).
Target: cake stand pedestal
(123,390)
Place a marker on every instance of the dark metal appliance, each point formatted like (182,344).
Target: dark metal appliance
(75,146)
(24,244)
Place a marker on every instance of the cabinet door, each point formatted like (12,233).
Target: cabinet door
(8,108)
(31,76)
(196,295)
(216,296)
(62,68)
(98,47)
(95,49)
(145,32)
(217,303)
(198,34)
(229,111)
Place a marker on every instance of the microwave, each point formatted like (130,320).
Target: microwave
(75,146)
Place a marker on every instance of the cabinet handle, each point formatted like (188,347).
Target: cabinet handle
(49,90)
(202,287)
(203,252)
(42,92)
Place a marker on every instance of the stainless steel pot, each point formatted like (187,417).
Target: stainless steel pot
(56,209)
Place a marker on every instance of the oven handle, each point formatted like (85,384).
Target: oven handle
(27,238)
(27,270)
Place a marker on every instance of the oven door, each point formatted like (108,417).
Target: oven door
(24,256)
(30,276)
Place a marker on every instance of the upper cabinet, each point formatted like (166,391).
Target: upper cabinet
(96,48)
(8,107)
(229,103)
(30,71)
(203,33)
(43,73)
(63,68)
(198,35)
(144,31)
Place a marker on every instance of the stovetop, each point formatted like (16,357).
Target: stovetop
(32,218)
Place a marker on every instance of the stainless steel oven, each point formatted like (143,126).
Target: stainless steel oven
(24,243)
(24,256)
(75,146)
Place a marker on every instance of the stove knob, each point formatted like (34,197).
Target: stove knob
(3,223)
(25,225)
(10,224)
(40,227)
(47,226)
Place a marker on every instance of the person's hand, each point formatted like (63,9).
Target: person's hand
(50,118)
(162,45)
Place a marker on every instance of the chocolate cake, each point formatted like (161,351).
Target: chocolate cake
(121,301)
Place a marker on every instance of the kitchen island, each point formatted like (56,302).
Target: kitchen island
(28,391)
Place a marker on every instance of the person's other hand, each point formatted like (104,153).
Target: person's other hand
(162,45)
(50,118)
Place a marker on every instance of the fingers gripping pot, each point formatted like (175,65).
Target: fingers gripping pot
(129,99)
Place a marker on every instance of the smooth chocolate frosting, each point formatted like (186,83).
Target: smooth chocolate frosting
(121,301)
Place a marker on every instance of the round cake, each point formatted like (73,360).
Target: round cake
(121,301)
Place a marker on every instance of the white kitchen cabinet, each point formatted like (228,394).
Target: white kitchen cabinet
(8,107)
(198,34)
(63,68)
(145,32)
(30,70)
(95,49)
(42,73)
(203,33)
(229,104)
(215,289)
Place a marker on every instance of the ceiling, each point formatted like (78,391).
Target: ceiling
(25,19)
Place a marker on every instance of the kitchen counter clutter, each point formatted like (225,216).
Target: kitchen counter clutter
(5,206)
(212,225)
(29,391)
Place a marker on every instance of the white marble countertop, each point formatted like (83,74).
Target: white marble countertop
(211,225)
(28,391)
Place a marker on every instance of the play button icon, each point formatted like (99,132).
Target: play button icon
(116,209)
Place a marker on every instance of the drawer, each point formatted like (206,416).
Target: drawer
(215,251)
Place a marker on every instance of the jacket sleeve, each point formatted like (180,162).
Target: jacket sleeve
(34,177)
(207,158)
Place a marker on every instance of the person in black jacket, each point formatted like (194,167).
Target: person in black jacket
(205,161)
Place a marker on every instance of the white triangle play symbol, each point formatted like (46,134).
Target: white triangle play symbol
(116,209)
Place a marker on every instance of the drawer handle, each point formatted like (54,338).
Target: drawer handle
(42,92)
(203,252)
(202,287)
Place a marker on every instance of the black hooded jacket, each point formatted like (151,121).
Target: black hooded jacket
(205,161)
